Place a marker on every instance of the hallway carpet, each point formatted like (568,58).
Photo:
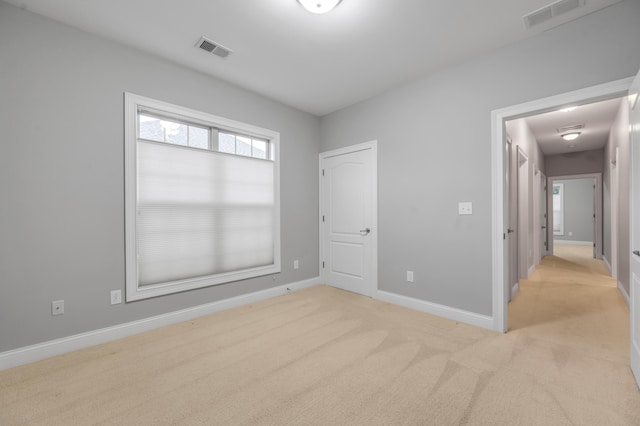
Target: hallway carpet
(324,356)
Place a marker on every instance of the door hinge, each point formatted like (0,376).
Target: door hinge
(594,244)
(504,236)
(322,172)
(323,264)
(323,218)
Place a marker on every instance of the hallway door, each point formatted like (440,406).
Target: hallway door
(523,215)
(511,236)
(544,245)
(634,139)
(348,218)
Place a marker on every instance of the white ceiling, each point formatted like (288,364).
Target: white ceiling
(597,119)
(316,63)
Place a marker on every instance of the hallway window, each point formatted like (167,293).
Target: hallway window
(197,213)
(558,209)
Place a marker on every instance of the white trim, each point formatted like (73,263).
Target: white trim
(20,356)
(606,262)
(624,294)
(573,242)
(132,103)
(373,146)
(500,288)
(515,289)
(466,317)
(531,270)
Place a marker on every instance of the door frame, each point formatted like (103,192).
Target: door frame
(597,192)
(373,146)
(500,287)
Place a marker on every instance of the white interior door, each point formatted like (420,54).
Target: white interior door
(523,214)
(511,238)
(593,221)
(543,217)
(614,216)
(348,209)
(535,216)
(634,136)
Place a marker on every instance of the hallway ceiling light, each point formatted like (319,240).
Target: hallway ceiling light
(570,136)
(319,6)
(568,109)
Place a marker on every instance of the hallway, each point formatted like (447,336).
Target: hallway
(574,324)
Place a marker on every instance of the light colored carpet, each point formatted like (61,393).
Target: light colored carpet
(328,357)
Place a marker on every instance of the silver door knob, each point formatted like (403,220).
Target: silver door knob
(365,231)
(509,231)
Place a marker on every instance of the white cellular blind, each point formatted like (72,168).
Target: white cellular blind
(201,213)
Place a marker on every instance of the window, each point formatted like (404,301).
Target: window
(202,199)
(558,209)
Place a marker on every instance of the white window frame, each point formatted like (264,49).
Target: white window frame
(132,104)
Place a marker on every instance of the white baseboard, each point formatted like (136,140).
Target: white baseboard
(577,243)
(25,355)
(436,309)
(606,262)
(515,289)
(624,294)
(531,270)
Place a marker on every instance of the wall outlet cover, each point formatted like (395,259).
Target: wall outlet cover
(57,307)
(116,297)
(465,207)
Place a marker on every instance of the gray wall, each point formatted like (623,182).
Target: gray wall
(575,163)
(578,210)
(61,176)
(619,137)
(434,142)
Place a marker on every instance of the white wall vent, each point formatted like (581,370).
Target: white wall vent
(550,11)
(213,47)
(570,128)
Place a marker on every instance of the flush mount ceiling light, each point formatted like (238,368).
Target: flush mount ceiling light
(570,136)
(568,109)
(319,6)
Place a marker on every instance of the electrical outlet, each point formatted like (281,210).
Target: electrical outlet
(296,264)
(410,276)
(57,307)
(465,208)
(116,297)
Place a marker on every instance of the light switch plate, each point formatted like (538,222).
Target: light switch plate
(465,208)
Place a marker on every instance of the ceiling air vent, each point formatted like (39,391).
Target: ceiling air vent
(213,47)
(570,128)
(550,11)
